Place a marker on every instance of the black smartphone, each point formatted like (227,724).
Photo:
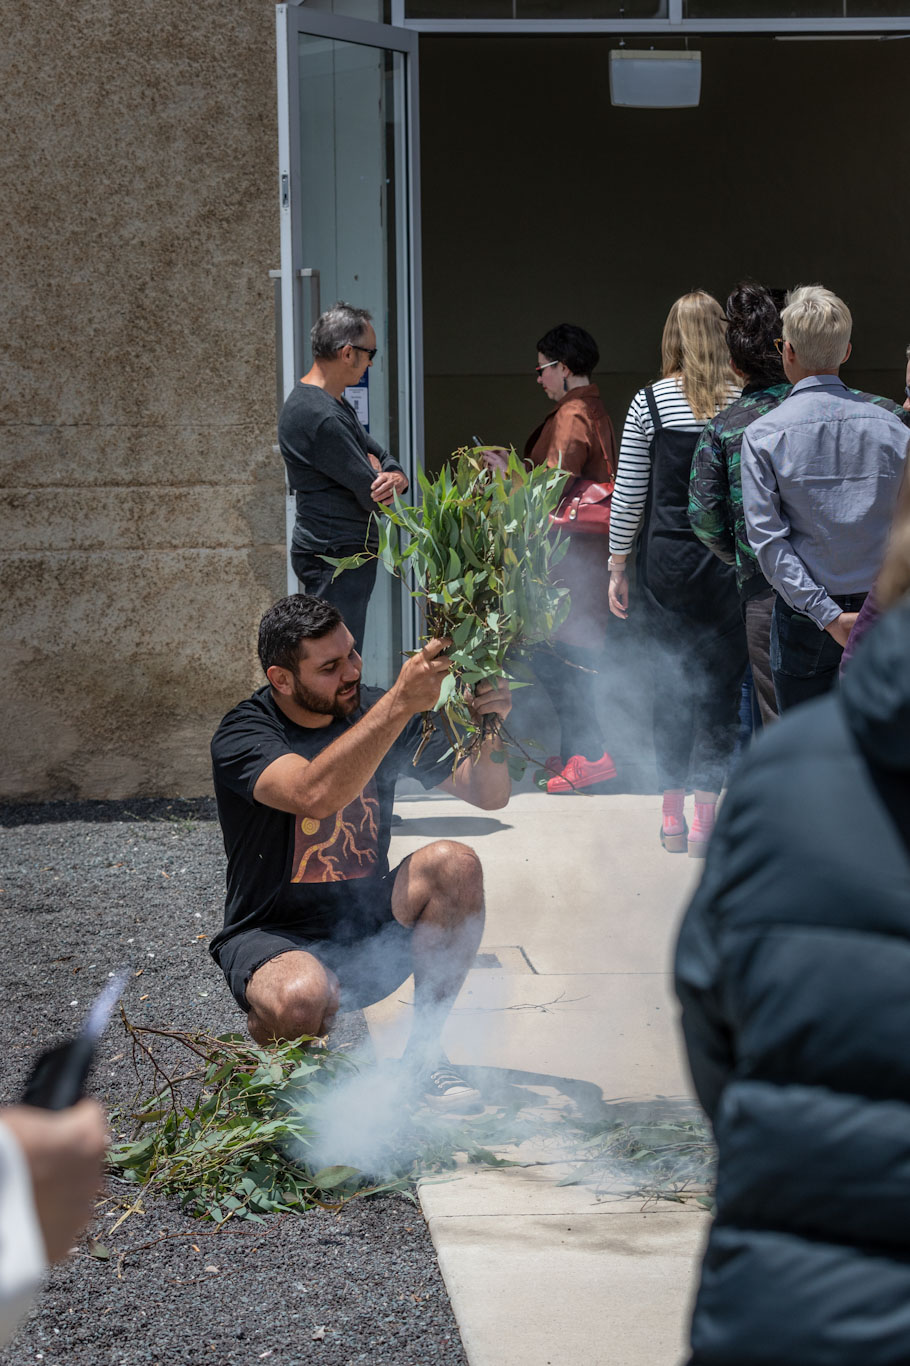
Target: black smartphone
(59,1075)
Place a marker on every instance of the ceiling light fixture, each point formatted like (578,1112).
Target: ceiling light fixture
(654,80)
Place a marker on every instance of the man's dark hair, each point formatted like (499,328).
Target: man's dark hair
(575,347)
(339,326)
(290,622)
(753,323)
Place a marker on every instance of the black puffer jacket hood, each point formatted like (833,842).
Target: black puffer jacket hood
(793,969)
(875,691)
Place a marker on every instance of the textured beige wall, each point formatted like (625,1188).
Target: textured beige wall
(142,507)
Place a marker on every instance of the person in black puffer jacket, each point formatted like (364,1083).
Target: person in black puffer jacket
(793,969)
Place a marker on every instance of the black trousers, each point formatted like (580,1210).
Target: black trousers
(698,674)
(757,612)
(571,690)
(804,660)
(350,592)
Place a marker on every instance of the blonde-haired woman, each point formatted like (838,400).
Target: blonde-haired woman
(689,596)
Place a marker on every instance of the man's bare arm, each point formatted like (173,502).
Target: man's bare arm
(319,787)
(841,627)
(483,782)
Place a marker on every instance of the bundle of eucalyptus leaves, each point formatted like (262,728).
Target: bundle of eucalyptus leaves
(479,553)
(233,1136)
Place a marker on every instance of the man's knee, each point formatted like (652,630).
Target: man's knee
(293,1000)
(452,862)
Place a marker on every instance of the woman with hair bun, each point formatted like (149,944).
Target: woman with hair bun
(688,595)
(577,435)
(715,491)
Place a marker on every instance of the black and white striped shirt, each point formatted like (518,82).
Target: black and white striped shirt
(634,470)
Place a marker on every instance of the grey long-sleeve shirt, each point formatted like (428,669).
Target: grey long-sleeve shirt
(820,476)
(325,450)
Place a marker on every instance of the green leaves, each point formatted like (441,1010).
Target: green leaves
(235,1146)
(658,1161)
(330,1178)
(232,1137)
(479,553)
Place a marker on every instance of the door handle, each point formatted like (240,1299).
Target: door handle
(312,276)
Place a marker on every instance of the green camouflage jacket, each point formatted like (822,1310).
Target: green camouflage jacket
(715,490)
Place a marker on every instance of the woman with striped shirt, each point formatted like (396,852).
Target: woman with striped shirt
(689,596)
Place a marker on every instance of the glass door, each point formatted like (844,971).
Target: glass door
(347,106)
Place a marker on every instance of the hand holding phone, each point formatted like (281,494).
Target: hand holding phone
(59,1075)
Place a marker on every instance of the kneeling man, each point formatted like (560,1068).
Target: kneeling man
(304,776)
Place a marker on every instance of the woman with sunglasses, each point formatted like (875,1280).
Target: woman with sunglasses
(576,436)
(687,594)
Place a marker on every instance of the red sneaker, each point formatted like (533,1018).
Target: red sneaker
(579,773)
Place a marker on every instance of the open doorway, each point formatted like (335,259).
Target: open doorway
(542,203)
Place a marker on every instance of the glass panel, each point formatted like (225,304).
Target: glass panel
(458,9)
(790,9)
(763,9)
(353,231)
(877,9)
(535,9)
(591,9)
(371,10)
(648,9)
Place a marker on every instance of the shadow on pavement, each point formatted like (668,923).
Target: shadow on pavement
(442,827)
(505,1086)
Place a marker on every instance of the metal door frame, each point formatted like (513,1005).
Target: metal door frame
(291,20)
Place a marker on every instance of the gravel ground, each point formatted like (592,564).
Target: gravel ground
(84,888)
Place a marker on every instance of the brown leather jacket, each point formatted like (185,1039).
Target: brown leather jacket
(579,431)
(578,436)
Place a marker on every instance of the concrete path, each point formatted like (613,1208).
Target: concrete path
(572,997)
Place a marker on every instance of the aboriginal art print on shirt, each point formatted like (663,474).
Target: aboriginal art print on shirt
(341,846)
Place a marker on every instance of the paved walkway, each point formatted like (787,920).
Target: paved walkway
(572,995)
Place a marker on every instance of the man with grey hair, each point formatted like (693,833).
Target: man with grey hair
(338,473)
(820,476)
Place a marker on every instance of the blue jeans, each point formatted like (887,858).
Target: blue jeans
(804,660)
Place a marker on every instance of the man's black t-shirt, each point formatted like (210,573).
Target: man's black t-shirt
(326,453)
(296,871)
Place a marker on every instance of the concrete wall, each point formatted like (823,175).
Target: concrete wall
(142,505)
(544,204)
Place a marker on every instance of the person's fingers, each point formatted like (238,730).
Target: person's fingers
(90,1127)
(499,706)
(436,646)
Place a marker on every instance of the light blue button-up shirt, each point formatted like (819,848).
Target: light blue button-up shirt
(820,476)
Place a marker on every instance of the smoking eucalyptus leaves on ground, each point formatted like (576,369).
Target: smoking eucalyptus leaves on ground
(232,1135)
(479,552)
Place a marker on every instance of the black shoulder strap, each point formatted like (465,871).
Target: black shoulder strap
(652,404)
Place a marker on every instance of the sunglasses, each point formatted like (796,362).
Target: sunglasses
(539,369)
(367,350)
(779,345)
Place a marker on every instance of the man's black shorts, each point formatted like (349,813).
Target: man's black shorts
(369,964)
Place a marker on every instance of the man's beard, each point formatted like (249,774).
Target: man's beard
(335,706)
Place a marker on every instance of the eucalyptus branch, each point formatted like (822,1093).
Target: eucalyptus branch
(479,558)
